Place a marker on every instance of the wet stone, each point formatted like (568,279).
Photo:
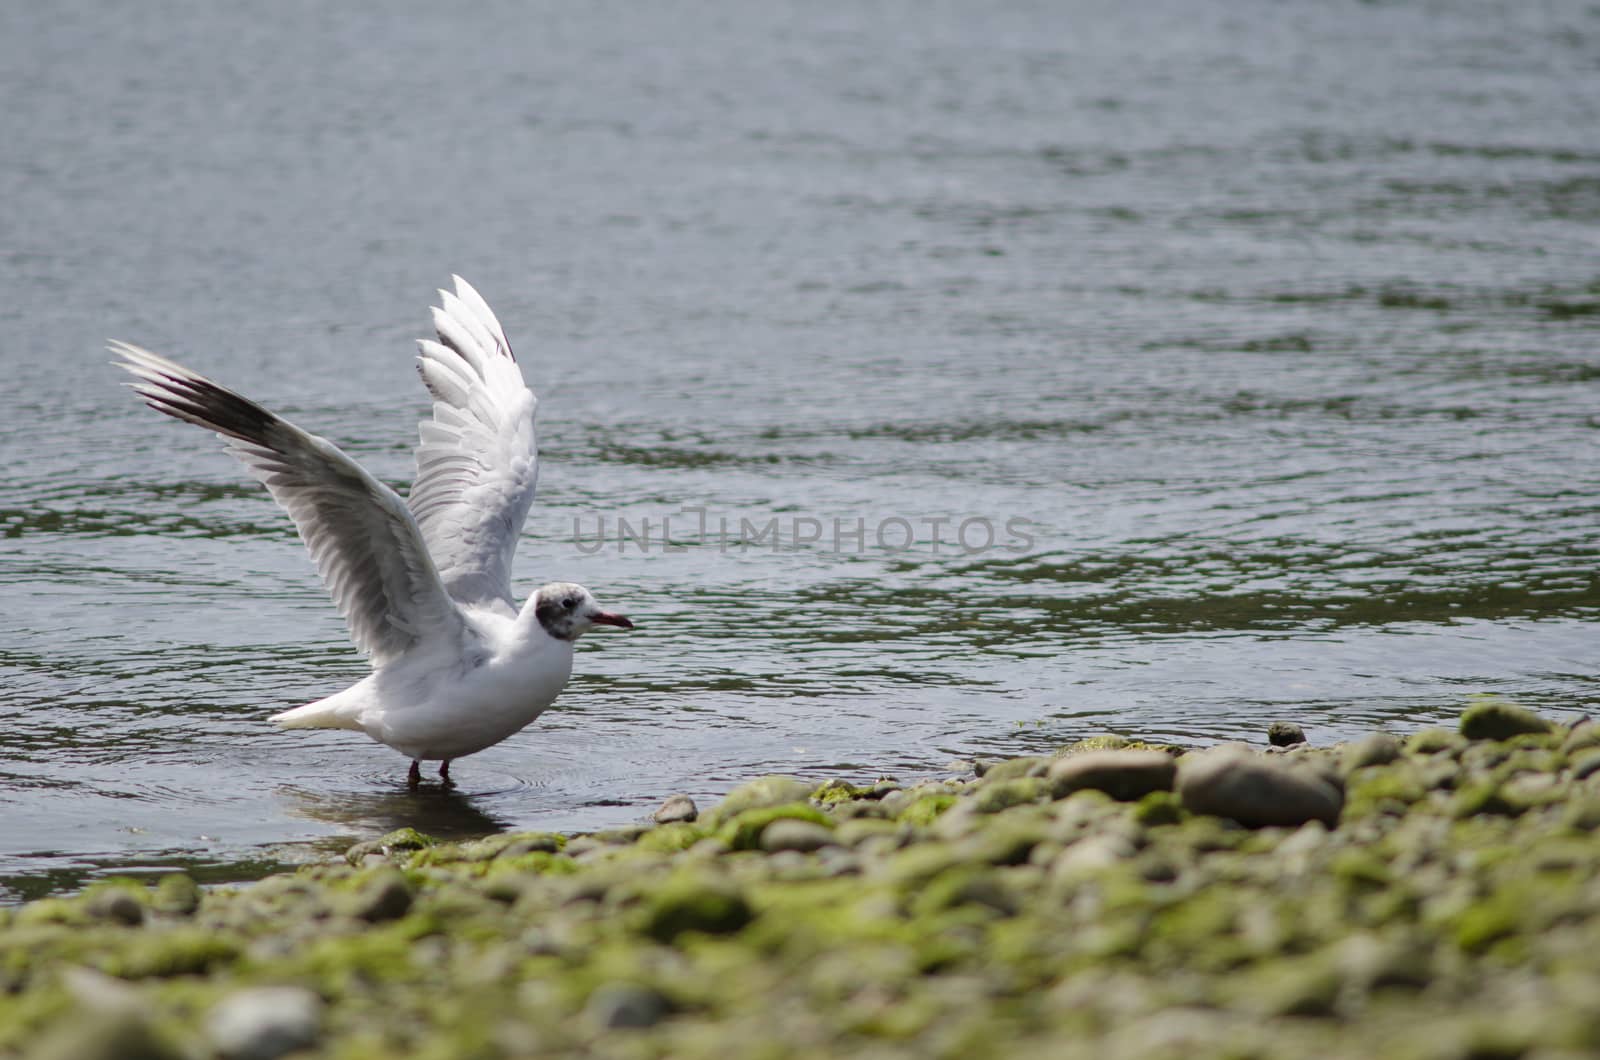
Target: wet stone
(676,808)
(1285,734)
(265,1022)
(1124,775)
(1257,791)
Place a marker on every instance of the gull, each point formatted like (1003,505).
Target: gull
(425,583)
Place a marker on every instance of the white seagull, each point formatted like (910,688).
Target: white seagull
(424,587)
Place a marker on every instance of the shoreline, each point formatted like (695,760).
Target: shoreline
(1432,896)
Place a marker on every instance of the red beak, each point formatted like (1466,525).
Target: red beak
(611,618)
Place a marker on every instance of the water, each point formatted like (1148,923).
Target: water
(1277,322)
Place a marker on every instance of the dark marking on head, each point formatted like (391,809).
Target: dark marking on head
(556,609)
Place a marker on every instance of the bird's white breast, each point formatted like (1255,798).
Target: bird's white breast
(460,707)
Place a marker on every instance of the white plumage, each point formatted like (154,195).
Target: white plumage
(426,586)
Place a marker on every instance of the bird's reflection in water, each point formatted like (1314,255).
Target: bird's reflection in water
(444,813)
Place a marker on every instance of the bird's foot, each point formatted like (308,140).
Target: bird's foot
(414,778)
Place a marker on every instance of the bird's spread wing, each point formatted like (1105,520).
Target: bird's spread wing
(363,538)
(478,462)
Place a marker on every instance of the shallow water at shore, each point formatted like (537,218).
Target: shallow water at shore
(1277,325)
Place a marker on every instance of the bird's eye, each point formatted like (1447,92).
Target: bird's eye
(570,602)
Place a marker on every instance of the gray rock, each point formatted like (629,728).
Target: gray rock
(1285,734)
(677,808)
(266,1022)
(790,834)
(1378,749)
(1257,791)
(617,1006)
(386,897)
(117,904)
(1124,775)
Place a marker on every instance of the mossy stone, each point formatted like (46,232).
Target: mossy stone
(119,901)
(1485,797)
(1013,768)
(1584,762)
(994,796)
(383,895)
(965,886)
(801,836)
(839,790)
(1103,742)
(398,841)
(1584,734)
(1486,923)
(1434,741)
(925,810)
(1377,749)
(176,894)
(744,831)
(180,951)
(757,794)
(1285,734)
(687,903)
(113,1035)
(1494,719)
(1158,808)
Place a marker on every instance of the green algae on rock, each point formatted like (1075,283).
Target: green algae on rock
(1449,908)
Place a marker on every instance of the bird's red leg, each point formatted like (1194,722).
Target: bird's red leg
(444,773)
(414,777)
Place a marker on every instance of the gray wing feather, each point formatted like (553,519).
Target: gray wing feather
(477,462)
(363,538)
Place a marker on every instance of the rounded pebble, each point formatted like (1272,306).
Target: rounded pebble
(1285,734)
(1256,791)
(677,808)
(1124,775)
(791,834)
(265,1022)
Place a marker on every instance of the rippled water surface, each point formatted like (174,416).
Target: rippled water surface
(1277,325)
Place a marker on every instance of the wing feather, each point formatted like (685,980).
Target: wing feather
(477,460)
(364,540)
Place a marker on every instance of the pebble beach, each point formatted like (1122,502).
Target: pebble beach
(1429,896)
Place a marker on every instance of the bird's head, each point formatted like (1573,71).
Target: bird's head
(568,611)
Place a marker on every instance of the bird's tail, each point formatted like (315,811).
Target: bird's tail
(331,713)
